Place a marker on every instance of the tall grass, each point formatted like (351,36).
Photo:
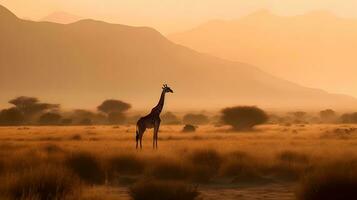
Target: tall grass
(333,181)
(87,166)
(41,183)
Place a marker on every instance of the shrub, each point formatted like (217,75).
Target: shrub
(327,115)
(240,167)
(349,118)
(331,182)
(162,190)
(292,157)
(87,167)
(50,119)
(208,157)
(170,118)
(196,119)
(126,164)
(116,118)
(86,122)
(189,128)
(243,117)
(66,121)
(76,137)
(169,170)
(42,183)
(11,116)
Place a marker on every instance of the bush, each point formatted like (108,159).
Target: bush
(331,182)
(349,118)
(116,118)
(205,164)
(293,157)
(126,164)
(196,119)
(11,116)
(42,183)
(162,190)
(86,122)
(168,170)
(327,115)
(87,167)
(189,128)
(170,119)
(50,119)
(243,117)
(66,121)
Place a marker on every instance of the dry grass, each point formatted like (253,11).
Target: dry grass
(332,181)
(41,183)
(87,166)
(211,155)
(163,190)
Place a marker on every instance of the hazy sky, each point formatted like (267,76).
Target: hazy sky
(172,15)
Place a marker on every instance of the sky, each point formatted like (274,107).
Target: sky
(169,16)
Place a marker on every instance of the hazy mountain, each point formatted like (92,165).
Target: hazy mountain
(315,49)
(61,18)
(82,63)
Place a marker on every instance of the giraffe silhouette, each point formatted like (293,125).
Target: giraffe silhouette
(152,120)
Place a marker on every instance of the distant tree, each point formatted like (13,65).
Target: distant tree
(133,119)
(30,106)
(11,116)
(328,115)
(50,118)
(299,114)
(349,118)
(66,121)
(196,119)
(170,118)
(116,118)
(79,116)
(189,128)
(86,122)
(243,117)
(113,105)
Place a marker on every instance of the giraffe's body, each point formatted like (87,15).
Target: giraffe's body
(151,120)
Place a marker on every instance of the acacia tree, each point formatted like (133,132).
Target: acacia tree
(31,106)
(196,119)
(243,117)
(114,109)
(328,115)
(170,118)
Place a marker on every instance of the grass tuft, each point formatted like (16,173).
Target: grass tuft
(87,166)
(163,190)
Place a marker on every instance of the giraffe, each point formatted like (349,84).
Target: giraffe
(152,120)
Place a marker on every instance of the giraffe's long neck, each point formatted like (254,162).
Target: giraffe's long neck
(158,108)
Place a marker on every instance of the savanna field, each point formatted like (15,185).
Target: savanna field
(285,162)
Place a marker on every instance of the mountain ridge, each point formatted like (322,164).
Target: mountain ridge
(82,63)
(309,49)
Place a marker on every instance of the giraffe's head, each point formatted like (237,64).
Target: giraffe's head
(167,89)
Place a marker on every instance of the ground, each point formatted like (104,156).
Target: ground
(278,153)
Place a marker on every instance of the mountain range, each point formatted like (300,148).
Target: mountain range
(82,63)
(316,49)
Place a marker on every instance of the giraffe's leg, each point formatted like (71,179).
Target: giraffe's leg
(137,138)
(156,131)
(141,137)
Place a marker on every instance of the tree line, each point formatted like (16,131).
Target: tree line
(31,111)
